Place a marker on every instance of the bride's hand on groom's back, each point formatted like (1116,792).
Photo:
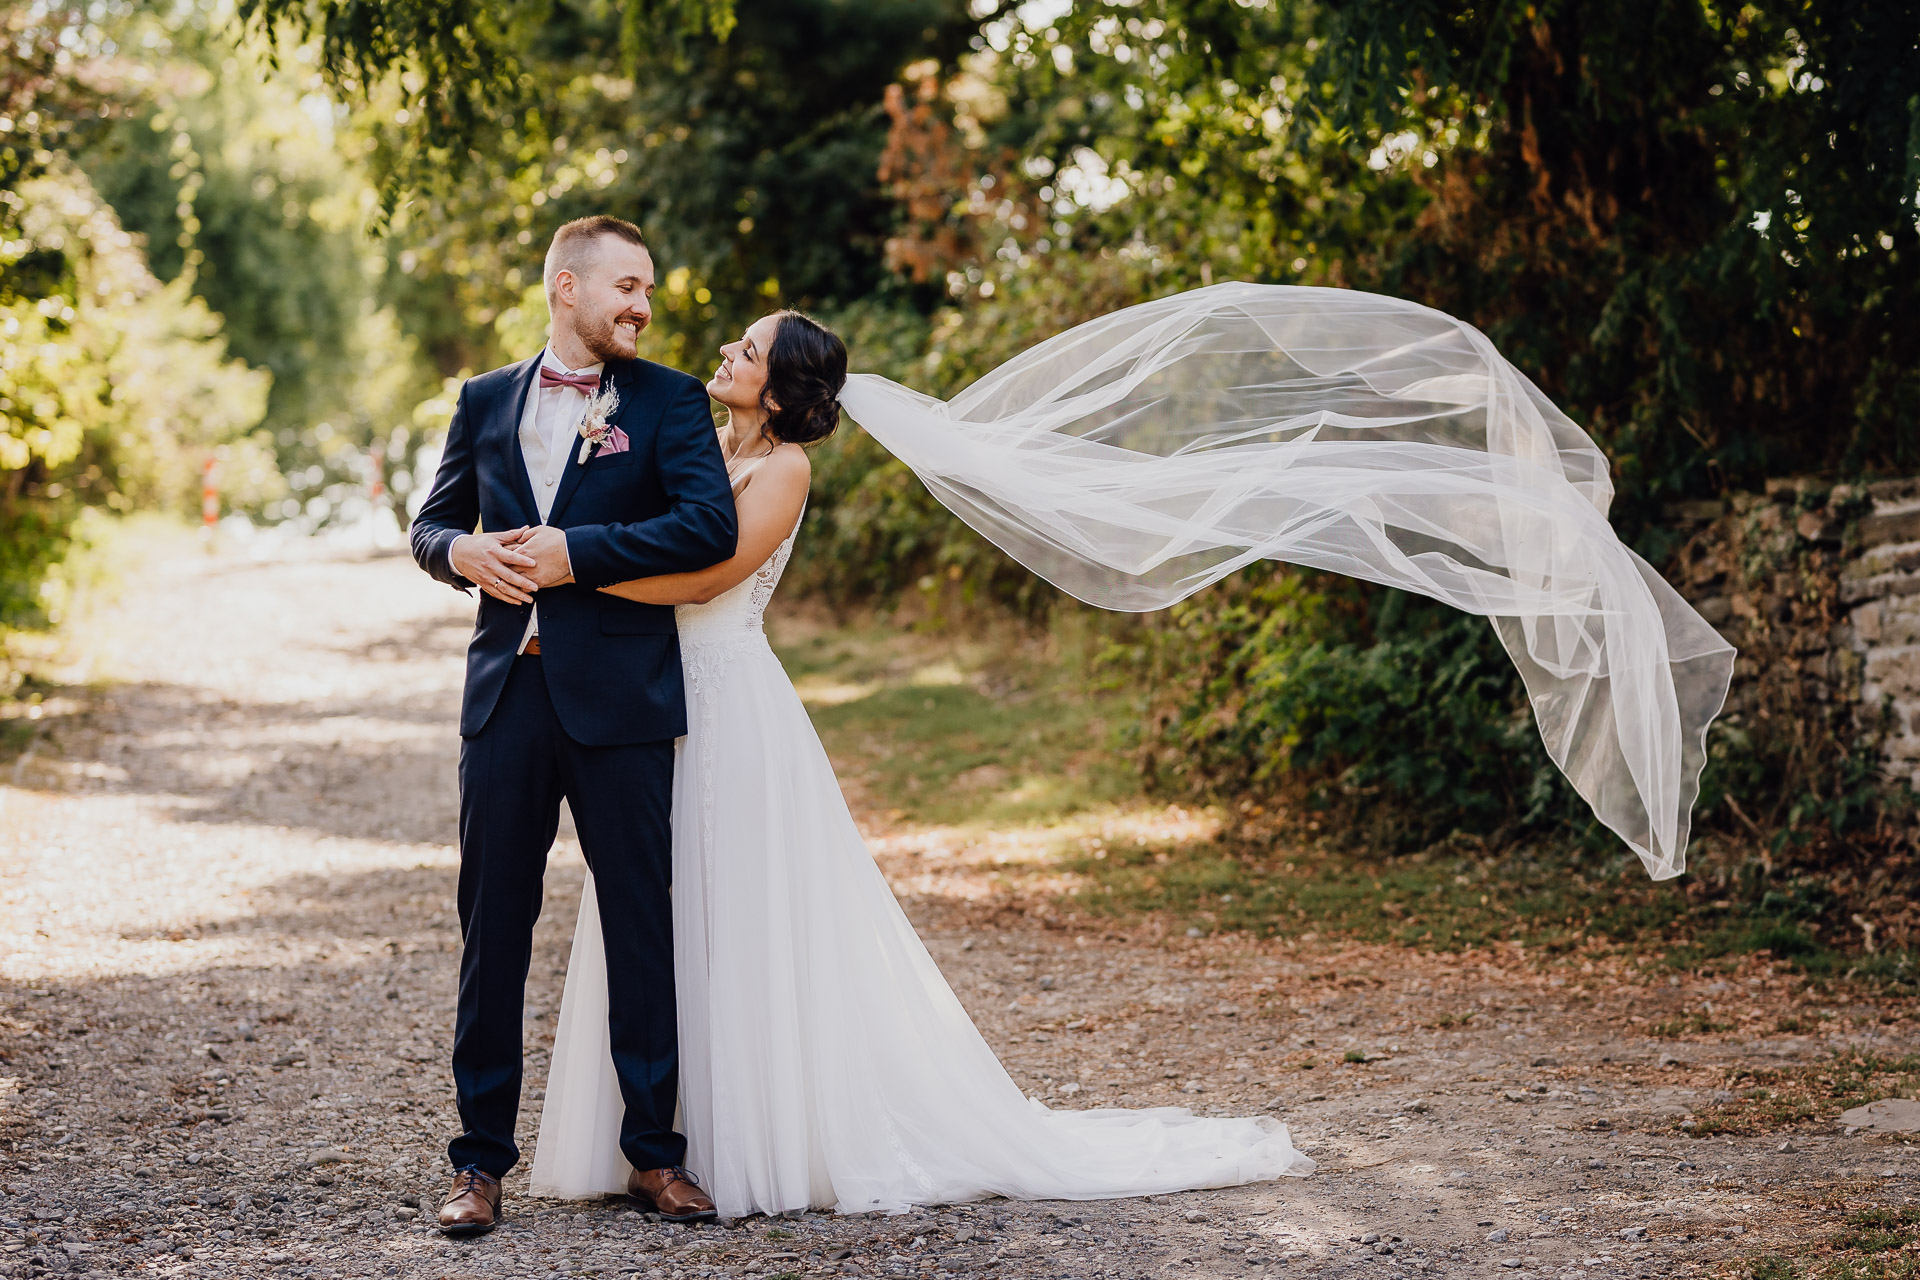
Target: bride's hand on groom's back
(494,563)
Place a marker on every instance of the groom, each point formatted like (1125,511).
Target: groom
(577,469)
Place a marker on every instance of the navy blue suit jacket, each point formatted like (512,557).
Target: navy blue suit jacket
(663,505)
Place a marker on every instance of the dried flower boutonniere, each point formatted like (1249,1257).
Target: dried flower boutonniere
(596,427)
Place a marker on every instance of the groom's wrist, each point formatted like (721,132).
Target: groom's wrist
(453,569)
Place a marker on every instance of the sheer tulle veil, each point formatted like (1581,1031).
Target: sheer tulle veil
(1139,457)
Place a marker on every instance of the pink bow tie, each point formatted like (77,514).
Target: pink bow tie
(585,383)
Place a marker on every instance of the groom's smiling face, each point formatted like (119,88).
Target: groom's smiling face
(608,297)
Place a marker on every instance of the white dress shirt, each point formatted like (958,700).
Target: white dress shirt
(549,437)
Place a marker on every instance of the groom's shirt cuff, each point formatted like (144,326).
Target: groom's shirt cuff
(455,578)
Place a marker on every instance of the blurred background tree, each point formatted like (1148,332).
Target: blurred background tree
(114,387)
(234,170)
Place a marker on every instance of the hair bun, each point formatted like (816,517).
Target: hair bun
(808,423)
(806,368)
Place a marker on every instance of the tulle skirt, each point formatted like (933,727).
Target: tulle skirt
(825,1062)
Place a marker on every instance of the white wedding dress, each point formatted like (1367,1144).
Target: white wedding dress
(824,1061)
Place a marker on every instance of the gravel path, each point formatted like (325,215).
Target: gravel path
(227,975)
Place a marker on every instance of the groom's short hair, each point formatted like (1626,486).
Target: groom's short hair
(573,247)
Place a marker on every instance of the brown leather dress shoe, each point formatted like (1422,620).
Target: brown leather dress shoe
(472,1206)
(672,1193)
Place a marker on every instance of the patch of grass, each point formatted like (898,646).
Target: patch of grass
(947,732)
(1875,1244)
(1892,972)
(1879,1230)
(1743,934)
(1774,1098)
(1553,900)
(1445,902)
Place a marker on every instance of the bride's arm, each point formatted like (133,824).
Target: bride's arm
(767,509)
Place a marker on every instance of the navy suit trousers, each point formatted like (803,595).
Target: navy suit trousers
(513,775)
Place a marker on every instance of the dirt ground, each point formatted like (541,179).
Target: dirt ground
(227,962)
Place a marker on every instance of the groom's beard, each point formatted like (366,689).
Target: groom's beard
(602,337)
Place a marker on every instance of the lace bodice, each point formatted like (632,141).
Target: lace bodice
(736,613)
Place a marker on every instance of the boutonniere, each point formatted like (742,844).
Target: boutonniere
(596,426)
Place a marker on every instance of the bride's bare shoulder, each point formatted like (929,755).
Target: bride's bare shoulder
(776,481)
(792,457)
(788,464)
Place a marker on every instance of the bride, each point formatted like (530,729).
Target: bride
(1130,461)
(825,1063)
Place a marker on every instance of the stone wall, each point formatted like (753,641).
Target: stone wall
(1819,588)
(1882,590)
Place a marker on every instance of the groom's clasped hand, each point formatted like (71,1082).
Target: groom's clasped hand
(513,564)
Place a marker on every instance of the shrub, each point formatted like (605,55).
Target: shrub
(114,388)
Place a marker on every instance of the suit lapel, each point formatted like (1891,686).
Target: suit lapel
(621,375)
(506,432)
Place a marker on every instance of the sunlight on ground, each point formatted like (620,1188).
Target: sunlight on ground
(80,904)
(822,691)
(169,847)
(937,675)
(973,861)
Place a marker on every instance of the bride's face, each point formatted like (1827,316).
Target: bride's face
(742,374)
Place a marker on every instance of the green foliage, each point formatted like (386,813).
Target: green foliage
(1401,718)
(454,59)
(238,196)
(458,63)
(751,162)
(113,387)
(1693,228)
(50,95)
(1176,128)
(1693,225)
(980,734)
(1665,232)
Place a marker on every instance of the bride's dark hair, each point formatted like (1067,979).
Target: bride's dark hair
(806,367)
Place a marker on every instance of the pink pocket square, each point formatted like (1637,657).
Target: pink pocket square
(616,442)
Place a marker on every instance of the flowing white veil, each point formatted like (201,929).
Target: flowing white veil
(1139,457)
